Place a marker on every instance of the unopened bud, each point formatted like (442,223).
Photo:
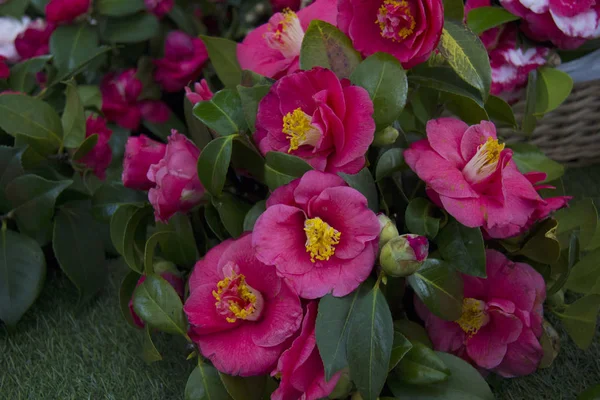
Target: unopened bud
(343,387)
(404,255)
(557,299)
(162,267)
(388,229)
(386,137)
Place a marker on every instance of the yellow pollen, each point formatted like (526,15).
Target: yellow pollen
(296,125)
(473,316)
(243,293)
(386,29)
(320,239)
(493,150)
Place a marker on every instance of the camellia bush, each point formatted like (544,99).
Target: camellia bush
(315,196)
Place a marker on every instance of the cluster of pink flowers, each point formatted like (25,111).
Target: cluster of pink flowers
(99,158)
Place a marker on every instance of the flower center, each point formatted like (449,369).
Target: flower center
(320,239)
(395,20)
(235,298)
(299,130)
(285,33)
(484,162)
(473,316)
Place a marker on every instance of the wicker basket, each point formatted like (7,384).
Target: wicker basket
(571,133)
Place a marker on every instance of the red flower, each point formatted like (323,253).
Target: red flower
(34,41)
(66,11)
(183,61)
(280,5)
(140,153)
(159,7)
(4,70)
(99,158)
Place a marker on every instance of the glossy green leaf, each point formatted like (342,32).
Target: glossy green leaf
(326,46)
(204,383)
(529,158)
(419,219)
(440,287)
(118,224)
(400,347)
(158,304)
(23,75)
(579,319)
(232,212)
(246,157)
(131,29)
(581,214)
(164,130)
(364,183)
(585,274)
(552,89)
(454,9)
(542,245)
(251,97)
(211,215)
(334,319)
(149,248)
(464,383)
(481,19)
(185,20)
(134,238)
(23,269)
(369,343)
(32,198)
(80,251)
(10,169)
(223,113)
(245,388)
(86,146)
(467,56)
(150,353)
(223,56)
(213,164)
(73,119)
(500,111)
(119,8)
(24,115)
(421,366)
(391,161)
(444,79)
(413,332)
(199,132)
(125,294)
(180,245)
(384,78)
(462,247)
(282,168)
(15,8)
(72,45)
(90,96)
(252,215)
(529,120)
(465,108)
(110,196)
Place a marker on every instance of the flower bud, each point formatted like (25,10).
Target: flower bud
(343,387)
(140,153)
(404,255)
(557,299)
(388,229)
(386,137)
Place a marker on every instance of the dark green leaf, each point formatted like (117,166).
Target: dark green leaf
(481,19)
(131,29)
(223,113)
(542,245)
(73,119)
(326,46)
(282,168)
(149,352)
(180,246)
(500,111)
(421,366)
(246,158)
(253,214)
(581,214)
(400,347)
(419,219)
(109,197)
(223,55)
(552,88)
(529,120)
(23,75)
(591,393)
(72,45)
(90,96)
(440,287)
(369,343)
(585,274)
(204,384)
(198,131)
(232,212)
(579,319)
(80,251)
(464,108)
(384,78)
(529,158)
(134,238)
(444,79)
(86,146)
(164,130)
(251,97)
(213,164)
(454,9)
(245,388)
(118,224)
(14,8)
(92,57)
(413,332)
(467,56)
(186,21)
(149,248)
(158,304)
(23,269)
(464,383)
(364,183)
(463,248)
(118,8)
(10,168)
(391,161)
(214,222)
(126,293)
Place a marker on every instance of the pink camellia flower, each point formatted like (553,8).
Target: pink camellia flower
(566,23)
(66,11)
(160,8)
(170,276)
(273,49)
(177,187)
(140,153)
(280,5)
(35,40)
(99,158)
(4,70)
(326,236)
(473,177)
(407,29)
(121,104)
(183,61)
(501,319)
(317,117)
(201,92)
(301,368)
(241,314)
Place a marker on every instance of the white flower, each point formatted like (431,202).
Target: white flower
(10,28)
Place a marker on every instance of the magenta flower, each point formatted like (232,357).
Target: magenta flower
(407,29)
(183,61)
(273,49)
(160,8)
(317,117)
(319,234)
(177,187)
(99,158)
(301,368)
(140,153)
(280,5)
(242,316)
(473,177)
(35,40)
(66,11)
(121,104)
(4,70)
(200,93)
(174,280)
(501,319)
(566,23)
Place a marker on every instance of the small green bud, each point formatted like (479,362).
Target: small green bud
(404,255)
(386,137)
(343,387)
(557,299)
(388,229)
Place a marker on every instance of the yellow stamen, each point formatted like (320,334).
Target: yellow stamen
(242,292)
(299,130)
(285,33)
(320,239)
(473,316)
(384,20)
(485,161)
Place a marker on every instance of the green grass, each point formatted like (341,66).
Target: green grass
(60,352)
